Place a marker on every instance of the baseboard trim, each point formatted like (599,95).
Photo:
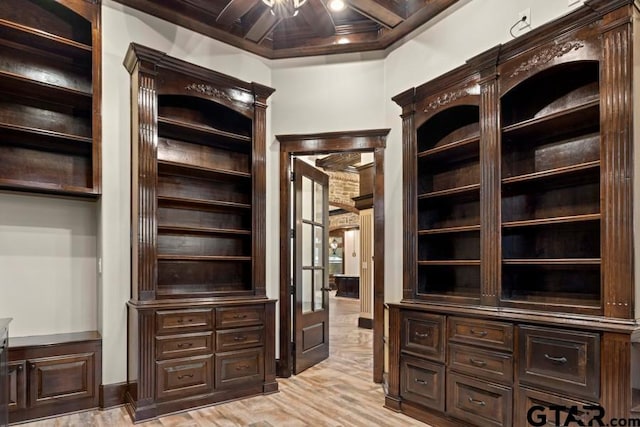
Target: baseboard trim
(365,323)
(112,395)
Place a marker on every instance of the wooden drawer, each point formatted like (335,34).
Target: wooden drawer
(17,385)
(60,378)
(526,399)
(423,334)
(422,382)
(183,377)
(495,335)
(180,321)
(175,346)
(564,361)
(478,402)
(233,317)
(492,365)
(235,339)
(239,368)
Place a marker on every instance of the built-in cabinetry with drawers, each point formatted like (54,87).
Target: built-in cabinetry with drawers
(201,329)
(519,241)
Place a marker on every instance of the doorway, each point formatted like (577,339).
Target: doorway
(313,144)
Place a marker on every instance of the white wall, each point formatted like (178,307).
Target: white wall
(48,264)
(352,252)
(120,26)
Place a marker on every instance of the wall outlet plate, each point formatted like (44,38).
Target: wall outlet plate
(526,23)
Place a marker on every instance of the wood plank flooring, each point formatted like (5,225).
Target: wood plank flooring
(336,392)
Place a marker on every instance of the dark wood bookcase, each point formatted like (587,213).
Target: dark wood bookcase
(203,330)
(518,172)
(50,96)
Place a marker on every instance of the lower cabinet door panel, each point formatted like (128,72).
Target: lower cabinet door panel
(53,379)
(422,382)
(478,402)
(239,368)
(17,385)
(533,407)
(183,377)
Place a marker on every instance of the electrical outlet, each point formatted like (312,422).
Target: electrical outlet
(525,19)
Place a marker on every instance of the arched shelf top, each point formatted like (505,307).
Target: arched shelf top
(454,124)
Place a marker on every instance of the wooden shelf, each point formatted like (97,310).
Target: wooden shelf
(553,173)
(552,221)
(203,258)
(29,88)
(552,261)
(177,229)
(43,40)
(451,262)
(185,131)
(181,202)
(181,169)
(227,290)
(47,188)
(460,146)
(571,120)
(46,133)
(445,230)
(457,191)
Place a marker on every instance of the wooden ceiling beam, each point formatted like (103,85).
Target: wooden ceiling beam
(374,10)
(318,17)
(233,11)
(263,26)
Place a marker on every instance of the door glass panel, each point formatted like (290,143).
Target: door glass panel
(307,198)
(318,282)
(307,245)
(318,246)
(318,199)
(307,291)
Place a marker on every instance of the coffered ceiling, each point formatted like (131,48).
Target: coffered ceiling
(364,25)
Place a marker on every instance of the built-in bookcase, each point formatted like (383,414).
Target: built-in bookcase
(551,188)
(50,96)
(448,187)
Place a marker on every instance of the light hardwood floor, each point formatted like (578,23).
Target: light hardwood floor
(336,392)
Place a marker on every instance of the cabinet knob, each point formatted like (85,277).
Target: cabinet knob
(19,368)
(32,365)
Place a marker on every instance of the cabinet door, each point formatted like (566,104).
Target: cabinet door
(17,386)
(60,378)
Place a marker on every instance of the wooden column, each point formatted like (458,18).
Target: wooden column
(615,375)
(378,266)
(616,145)
(392,399)
(145,384)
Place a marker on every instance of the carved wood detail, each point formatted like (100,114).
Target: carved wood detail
(547,55)
(209,90)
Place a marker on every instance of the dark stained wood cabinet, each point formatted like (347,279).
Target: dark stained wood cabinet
(5,399)
(53,374)
(518,217)
(50,96)
(201,328)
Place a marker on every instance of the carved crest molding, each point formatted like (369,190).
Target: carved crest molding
(547,55)
(209,90)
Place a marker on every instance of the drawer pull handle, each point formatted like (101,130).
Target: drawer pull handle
(424,335)
(185,345)
(242,367)
(185,376)
(479,333)
(423,382)
(182,320)
(240,316)
(239,338)
(560,360)
(477,402)
(477,362)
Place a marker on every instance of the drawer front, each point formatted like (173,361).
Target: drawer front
(562,361)
(239,368)
(181,321)
(233,317)
(183,377)
(175,346)
(60,378)
(532,407)
(422,382)
(423,334)
(235,339)
(17,385)
(478,402)
(495,335)
(474,361)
